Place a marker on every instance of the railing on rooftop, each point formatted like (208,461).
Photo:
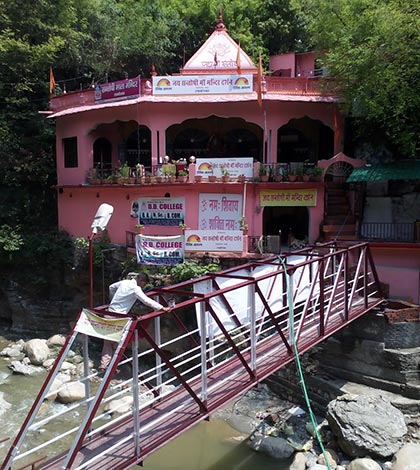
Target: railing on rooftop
(287,85)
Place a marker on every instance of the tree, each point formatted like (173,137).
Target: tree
(373,51)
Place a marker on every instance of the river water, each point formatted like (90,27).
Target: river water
(212,445)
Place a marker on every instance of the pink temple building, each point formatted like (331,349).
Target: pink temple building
(278,136)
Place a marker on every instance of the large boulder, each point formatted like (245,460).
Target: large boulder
(364,464)
(37,351)
(366,425)
(407,458)
(275,447)
(71,392)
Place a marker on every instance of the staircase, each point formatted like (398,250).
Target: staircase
(339,221)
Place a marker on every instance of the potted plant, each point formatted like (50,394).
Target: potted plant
(306,175)
(212,178)
(139,228)
(182,176)
(291,175)
(112,179)
(225,174)
(243,225)
(183,226)
(241,178)
(123,173)
(263,173)
(299,173)
(169,171)
(148,176)
(317,173)
(198,178)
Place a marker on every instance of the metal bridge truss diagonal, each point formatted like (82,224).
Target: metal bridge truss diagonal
(227,332)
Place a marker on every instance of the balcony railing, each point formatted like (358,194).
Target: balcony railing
(280,85)
(395,232)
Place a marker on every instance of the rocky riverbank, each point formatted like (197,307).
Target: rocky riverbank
(362,429)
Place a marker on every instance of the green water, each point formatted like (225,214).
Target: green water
(212,445)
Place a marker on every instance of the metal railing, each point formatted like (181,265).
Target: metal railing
(398,232)
(209,349)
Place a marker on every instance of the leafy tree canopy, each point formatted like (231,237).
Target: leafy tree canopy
(373,50)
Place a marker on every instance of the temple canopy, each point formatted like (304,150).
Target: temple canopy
(219,54)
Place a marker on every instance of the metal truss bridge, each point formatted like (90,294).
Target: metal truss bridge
(227,332)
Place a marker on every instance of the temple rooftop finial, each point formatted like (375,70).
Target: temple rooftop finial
(220,25)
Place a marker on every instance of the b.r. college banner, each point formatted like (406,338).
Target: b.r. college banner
(164,251)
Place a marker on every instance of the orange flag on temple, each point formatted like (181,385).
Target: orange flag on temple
(238,58)
(259,81)
(52,81)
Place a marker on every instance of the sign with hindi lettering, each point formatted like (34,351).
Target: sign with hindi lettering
(161,211)
(288,197)
(164,251)
(202,84)
(209,240)
(219,211)
(120,90)
(235,166)
(91,324)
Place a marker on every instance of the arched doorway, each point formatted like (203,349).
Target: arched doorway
(214,137)
(138,147)
(285,221)
(304,140)
(102,154)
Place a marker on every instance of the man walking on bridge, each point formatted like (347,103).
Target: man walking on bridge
(124,295)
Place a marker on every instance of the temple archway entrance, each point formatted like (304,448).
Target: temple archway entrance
(214,137)
(286,221)
(304,140)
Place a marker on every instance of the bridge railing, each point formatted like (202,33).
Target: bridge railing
(227,332)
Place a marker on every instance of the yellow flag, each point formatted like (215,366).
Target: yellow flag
(259,81)
(52,81)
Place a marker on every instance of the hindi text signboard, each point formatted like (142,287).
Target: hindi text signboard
(219,211)
(288,197)
(209,240)
(202,84)
(120,90)
(235,166)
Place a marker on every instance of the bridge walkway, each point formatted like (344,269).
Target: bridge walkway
(228,332)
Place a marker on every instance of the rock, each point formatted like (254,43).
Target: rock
(48,363)
(364,464)
(275,447)
(120,406)
(366,425)
(12,352)
(67,366)
(24,369)
(318,466)
(71,392)
(37,351)
(299,461)
(52,393)
(332,459)
(407,458)
(56,340)
(4,405)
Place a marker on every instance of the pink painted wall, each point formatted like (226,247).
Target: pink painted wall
(398,265)
(78,205)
